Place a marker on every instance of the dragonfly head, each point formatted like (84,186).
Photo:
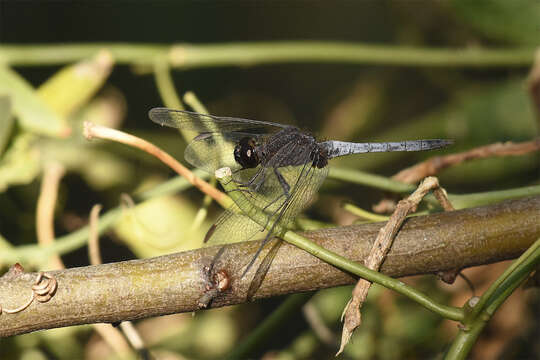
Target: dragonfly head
(245,154)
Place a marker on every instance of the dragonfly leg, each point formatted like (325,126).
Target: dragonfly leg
(257,180)
(273,202)
(286,187)
(268,218)
(247,186)
(254,184)
(250,182)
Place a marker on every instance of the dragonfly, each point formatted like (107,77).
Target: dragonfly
(278,168)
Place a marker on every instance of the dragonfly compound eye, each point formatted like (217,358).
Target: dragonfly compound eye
(245,154)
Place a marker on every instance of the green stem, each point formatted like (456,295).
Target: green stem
(254,53)
(458,201)
(490,197)
(491,300)
(165,84)
(363,178)
(340,262)
(355,210)
(513,281)
(192,100)
(464,341)
(167,91)
(270,325)
(203,210)
(467,337)
(486,297)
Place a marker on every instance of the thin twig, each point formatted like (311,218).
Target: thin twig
(441,196)
(93,237)
(114,338)
(533,82)
(380,249)
(132,335)
(92,130)
(52,175)
(315,321)
(435,164)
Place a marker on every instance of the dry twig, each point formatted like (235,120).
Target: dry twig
(435,164)
(94,253)
(380,248)
(53,173)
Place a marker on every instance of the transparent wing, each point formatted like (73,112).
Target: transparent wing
(263,268)
(309,181)
(201,123)
(233,226)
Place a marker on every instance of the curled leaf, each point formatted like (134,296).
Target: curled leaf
(75,84)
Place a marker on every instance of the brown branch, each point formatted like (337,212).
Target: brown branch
(175,283)
(435,164)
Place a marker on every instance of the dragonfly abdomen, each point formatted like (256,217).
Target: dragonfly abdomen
(336,148)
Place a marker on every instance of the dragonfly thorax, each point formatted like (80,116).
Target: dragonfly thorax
(245,154)
(319,157)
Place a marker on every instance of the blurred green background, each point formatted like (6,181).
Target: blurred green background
(357,102)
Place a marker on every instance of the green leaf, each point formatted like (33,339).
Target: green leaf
(6,121)
(160,226)
(514,21)
(72,86)
(33,114)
